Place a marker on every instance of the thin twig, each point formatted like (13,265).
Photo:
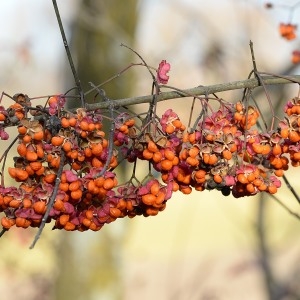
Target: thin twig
(64,38)
(3,231)
(51,201)
(289,186)
(263,249)
(285,207)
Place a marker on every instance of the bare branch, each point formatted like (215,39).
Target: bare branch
(200,90)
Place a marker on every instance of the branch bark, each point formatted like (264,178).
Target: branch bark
(200,90)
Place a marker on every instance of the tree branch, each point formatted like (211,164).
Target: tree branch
(200,90)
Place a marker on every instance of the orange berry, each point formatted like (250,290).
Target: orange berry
(276,150)
(99,181)
(266,149)
(86,222)
(200,174)
(185,189)
(108,183)
(74,154)
(59,205)
(212,159)
(26,139)
(87,152)
(75,185)
(96,163)
(2,117)
(22,130)
(257,182)
(192,137)
(49,178)
(154,189)
(279,173)
(39,135)
(296,156)
(12,172)
(39,150)
(262,187)
(39,207)
(177,123)
(284,132)
(27,203)
(152,147)
(91,186)
(124,129)
(210,137)
(192,161)
(193,152)
(121,204)
(31,156)
(76,195)
(57,140)
(96,149)
(166,165)
(218,178)
(115,212)
(233,148)
(129,122)
(69,226)
(272,189)
(175,161)
(227,154)
(22,222)
(29,170)
(7,222)
(84,125)
(72,121)
(21,174)
(22,149)
(170,129)
(67,146)
(251,177)
(14,203)
(64,186)
(147,154)
(64,122)
(169,154)
(250,188)
(258,148)
(242,178)
(151,211)
(63,219)
(157,157)
(206,158)
(35,165)
(148,199)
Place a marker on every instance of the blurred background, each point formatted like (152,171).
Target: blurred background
(203,246)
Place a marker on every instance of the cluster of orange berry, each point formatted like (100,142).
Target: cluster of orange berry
(67,156)
(65,168)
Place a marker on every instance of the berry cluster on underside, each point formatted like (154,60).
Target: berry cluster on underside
(65,168)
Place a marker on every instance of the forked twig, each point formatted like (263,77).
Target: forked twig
(111,130)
